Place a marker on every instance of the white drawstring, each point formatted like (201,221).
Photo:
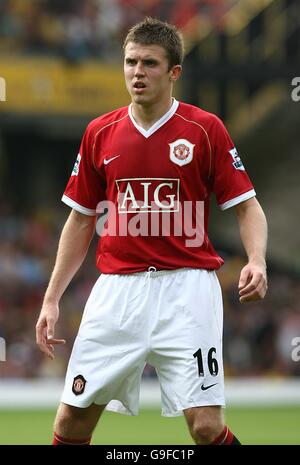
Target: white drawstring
(149,272)
(151,269)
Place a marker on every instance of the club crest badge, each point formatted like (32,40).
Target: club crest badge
(181,152)
(78,385)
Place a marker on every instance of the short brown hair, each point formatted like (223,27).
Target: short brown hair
(152,31)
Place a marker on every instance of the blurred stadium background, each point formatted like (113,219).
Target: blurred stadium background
(62,64)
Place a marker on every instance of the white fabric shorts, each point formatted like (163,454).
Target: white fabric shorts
(171,320)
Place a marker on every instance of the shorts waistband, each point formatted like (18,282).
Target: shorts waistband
(153,272)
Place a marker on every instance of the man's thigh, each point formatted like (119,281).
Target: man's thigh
(186,341)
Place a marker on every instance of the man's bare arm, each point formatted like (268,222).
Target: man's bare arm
(72,249)
(254,233)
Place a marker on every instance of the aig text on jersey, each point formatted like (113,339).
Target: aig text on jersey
(2,89)
(295,94)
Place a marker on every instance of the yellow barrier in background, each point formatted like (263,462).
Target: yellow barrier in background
(52,86)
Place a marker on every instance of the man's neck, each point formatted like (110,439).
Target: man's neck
(146,116)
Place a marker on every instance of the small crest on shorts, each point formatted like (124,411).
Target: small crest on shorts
(181,152)
(78,385)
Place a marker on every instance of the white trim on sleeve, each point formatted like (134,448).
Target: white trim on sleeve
(76,206)
(237,200)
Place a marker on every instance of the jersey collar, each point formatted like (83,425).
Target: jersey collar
(147,133)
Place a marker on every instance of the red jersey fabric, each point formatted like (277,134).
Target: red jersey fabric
(155,181)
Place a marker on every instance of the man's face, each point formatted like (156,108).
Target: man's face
(146,73)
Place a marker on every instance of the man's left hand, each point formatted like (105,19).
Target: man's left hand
(253,282)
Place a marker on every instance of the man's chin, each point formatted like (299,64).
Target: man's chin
(139,99)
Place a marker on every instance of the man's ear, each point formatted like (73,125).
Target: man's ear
(175,73)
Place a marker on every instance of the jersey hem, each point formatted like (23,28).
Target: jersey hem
(139,270)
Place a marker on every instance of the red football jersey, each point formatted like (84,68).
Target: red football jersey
(156,185)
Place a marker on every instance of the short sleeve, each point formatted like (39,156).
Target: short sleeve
(231,183)
(85,188)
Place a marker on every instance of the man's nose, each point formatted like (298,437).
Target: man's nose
(139,69)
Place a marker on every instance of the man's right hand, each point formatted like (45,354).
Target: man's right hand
(45,329)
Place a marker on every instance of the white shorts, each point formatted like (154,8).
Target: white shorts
(172,320)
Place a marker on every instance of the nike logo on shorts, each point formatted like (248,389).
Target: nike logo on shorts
(204,388)
(106,161)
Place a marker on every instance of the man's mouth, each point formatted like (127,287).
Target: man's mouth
(139,85)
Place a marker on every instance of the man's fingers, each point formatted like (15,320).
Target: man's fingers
(249,288)
(47,346)
(39,331)
(256,294)
(47,349)
(256,280)
(250,297)
(45,329)
(50,327)
(244,278)
(55,341)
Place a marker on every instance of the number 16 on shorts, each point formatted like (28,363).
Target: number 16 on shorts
(212,363)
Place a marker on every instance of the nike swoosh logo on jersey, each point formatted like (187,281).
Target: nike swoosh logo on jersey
(204,388)
(105,161)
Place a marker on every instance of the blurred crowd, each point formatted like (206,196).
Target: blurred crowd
(257,336)
(79,29)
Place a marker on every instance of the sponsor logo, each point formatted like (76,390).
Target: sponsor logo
(76,166)
(165,215)
(181,152)
(204,388)
(78,385)
(106,161)
(142,195)
(237,162)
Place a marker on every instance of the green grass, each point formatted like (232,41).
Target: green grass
(272,425)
